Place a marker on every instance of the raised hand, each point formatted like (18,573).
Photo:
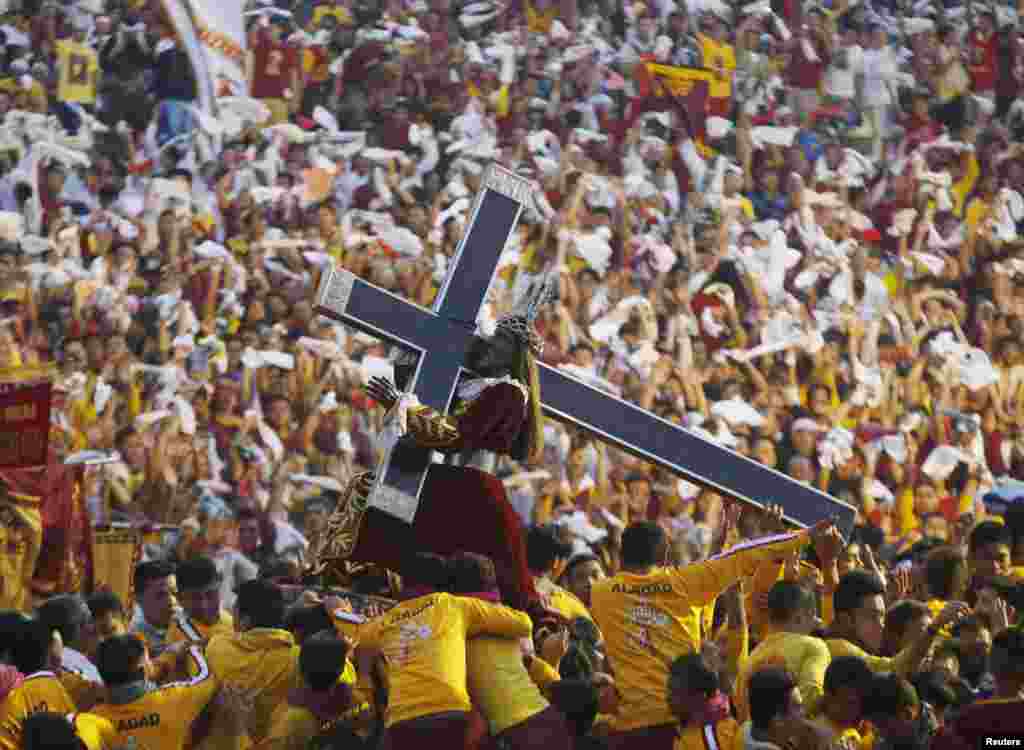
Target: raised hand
(828,542)
(951,614)
(871,565)
(774,519)
(364,483)
(730,516)
(1001,615)
(902,582)
(382,391)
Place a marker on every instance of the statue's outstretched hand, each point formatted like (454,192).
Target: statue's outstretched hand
(382,391)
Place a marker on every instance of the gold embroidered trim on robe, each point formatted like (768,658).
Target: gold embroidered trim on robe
(431,429)
(338,540)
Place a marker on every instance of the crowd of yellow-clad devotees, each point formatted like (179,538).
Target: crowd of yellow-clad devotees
(786,640)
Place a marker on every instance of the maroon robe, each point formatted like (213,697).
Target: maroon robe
(463,509)
(986,718)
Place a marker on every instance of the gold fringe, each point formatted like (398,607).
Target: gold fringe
(529,375)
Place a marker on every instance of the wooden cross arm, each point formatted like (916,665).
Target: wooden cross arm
(685,454)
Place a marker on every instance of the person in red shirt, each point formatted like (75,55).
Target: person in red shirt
(919,125)
(1010,75)
(810,54)
(276,70)
(982,44)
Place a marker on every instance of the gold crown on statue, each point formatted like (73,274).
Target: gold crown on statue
(519,323)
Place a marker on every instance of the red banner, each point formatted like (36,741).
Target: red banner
(24,424)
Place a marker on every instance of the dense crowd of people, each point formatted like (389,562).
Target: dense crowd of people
(791,228)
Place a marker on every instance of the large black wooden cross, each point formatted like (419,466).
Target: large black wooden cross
(441,338)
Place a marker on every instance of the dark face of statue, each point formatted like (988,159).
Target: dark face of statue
(403,375)
(495,356)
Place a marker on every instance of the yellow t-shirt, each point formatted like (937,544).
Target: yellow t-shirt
(648,620)
(39,692)
(499,684)
(722,735)
(185,628)
(78,66)
(978,211)
(542,673)
(162,718)
(848,738)
(262,659)
(540,21)
(292,727)
(963,187)
(842,647)
(96,732)
(561,601)
(424,640)
(719,57)
(803,656)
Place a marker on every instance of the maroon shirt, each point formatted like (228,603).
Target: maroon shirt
(363,58)
(274,63)
(802,73)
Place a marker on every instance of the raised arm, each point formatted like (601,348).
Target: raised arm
(703,582)
(484,618)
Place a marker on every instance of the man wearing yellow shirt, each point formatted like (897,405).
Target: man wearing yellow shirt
(859,606)
(68,615)
(965,176)
(847,682)
(40,691)
(78,68)
(774,703)
(518,715)
(322,698)
(650,614)
(150,716)
(720,58)
(424,642)
(155,591)
(199,591)
(980,206)
(792,617)
(691,685)
(546,555)
(261,658)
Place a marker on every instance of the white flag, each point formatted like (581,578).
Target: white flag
(213,34)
